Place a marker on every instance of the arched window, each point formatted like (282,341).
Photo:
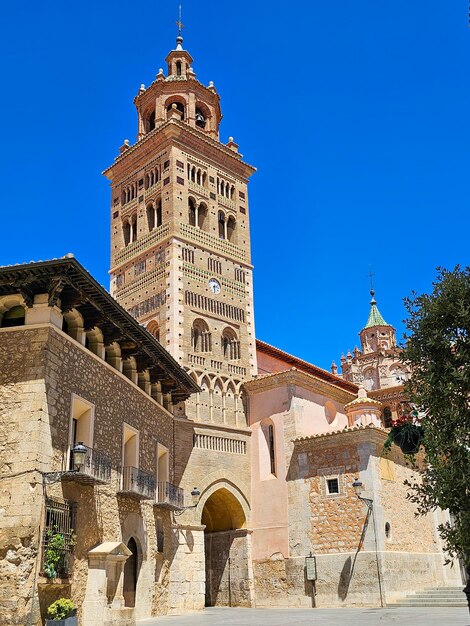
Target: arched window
(13,317)
(230,345)
(272,454)
(151,216)
(267,451)
(158,213)
(200,118)
(231,228)
(221,220)
(150,122)
(201,340)
(201,216)
(192,212)
(126,231)
(179,106)
(178,68)
(134,228)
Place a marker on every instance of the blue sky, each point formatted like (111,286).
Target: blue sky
(355,114)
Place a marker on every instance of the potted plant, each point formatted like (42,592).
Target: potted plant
(406,433)
(62,612)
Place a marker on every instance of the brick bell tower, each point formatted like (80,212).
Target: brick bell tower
(180,238)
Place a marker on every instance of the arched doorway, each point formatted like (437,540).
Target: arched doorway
(227,551)
(130,574)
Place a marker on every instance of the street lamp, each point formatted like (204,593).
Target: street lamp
(195,493)
(358,487)
(79,456)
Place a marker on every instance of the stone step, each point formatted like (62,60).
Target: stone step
(434,596)
(439,592)
(424,603)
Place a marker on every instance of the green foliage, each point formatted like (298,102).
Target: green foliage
(60,609)
(438,351)
(54,553)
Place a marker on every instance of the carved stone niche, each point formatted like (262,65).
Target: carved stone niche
(103,604)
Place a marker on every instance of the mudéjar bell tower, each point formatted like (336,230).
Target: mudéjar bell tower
(180,238)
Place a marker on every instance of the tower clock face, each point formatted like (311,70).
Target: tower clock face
(214,286)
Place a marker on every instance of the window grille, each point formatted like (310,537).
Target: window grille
(60,522)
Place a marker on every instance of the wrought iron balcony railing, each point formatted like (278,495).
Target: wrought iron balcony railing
(169,496)
(137,483)
(96,469)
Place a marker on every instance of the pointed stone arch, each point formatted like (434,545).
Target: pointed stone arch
(224,512)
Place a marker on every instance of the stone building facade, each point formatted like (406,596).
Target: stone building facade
(76,367)
(166,386)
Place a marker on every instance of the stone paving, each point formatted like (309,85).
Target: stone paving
(399,616)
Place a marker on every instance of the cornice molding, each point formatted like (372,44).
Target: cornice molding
(172,130)
(295,377)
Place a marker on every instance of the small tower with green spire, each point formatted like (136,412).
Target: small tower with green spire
(377,365)
(377,335)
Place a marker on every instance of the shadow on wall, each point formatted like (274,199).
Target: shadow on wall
(349,565)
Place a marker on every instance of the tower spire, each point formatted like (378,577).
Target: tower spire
(375,317)
(179,38)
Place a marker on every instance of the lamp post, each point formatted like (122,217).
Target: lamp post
(195,493)
(358,489)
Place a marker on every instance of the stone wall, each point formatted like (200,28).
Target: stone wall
(357,564)
(23,431)
(40,370)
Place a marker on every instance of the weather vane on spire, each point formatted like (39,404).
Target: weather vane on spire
(179,23)
(371,278)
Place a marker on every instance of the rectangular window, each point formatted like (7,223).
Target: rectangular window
(82,416)
(163,467)
(242,209)
(211,179)
(141,182)
(115,214)
(180,180)
(166,165)
(58,538)
(241,195)
(213,196)
(240,275)
(332,485)
(180,164)
(166,181)
(130,447)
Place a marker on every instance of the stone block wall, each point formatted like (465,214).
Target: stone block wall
(357,564)
(40,369)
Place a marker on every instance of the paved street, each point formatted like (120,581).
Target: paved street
(318,617)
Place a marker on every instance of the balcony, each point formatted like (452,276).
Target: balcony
(169,496)
(138,484)
(96,469)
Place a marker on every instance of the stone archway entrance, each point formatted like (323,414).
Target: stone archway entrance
(130,574)
(227,551)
